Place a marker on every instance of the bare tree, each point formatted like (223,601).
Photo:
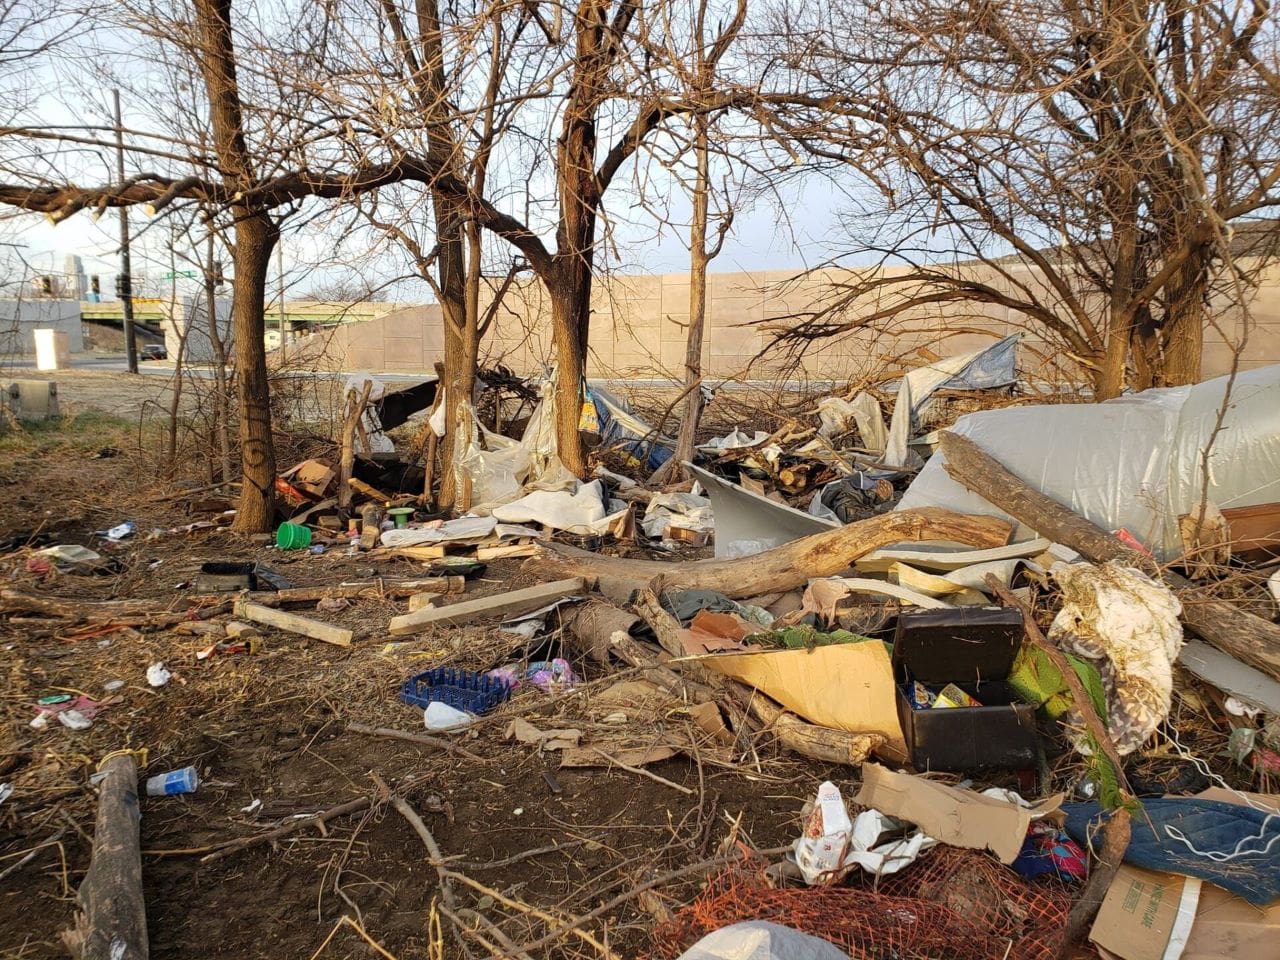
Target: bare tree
(1084,161)
(697,69)
(263,157)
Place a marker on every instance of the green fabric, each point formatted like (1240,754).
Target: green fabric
(1037,680)
(803,637)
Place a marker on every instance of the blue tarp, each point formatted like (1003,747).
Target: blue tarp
(1238,847)
(620,428)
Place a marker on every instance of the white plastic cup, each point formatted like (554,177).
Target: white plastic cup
(185,780)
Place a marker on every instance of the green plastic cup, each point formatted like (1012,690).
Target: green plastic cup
(293,536)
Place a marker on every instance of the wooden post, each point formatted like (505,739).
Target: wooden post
(353,411)
(111,916)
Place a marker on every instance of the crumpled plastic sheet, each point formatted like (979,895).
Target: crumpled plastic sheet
(682,509)
(831,842)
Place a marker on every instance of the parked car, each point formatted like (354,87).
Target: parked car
(153,351)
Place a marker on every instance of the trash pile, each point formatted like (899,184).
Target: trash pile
(1029,680)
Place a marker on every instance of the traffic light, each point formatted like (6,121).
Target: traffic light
(95,286)
(217,273)
(122,285)
(46,286)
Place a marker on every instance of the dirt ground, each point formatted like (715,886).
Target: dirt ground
(271,727)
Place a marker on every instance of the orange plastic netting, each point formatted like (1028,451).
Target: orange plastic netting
(951,905)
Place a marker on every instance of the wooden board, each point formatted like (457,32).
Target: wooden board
(500,605)
(291,622)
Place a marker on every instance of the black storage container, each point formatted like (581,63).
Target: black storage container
(974,648)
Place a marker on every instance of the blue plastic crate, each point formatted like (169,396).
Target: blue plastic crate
(460,689)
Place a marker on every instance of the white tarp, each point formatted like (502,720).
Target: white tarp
(1133,462)
(984,369)
(498,466)
(761,940)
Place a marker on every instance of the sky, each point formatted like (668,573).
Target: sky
(762,238)
(791,231)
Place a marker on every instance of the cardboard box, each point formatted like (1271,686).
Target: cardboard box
(1147,915)
(312,477)
(973,648)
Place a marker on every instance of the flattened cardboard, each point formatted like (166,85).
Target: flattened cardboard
(961,818)
(845,686)
(1228,928)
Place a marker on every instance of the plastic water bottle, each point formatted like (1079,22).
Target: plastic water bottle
(175,781)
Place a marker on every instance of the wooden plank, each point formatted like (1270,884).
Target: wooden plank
(293,623)
(504,604)
(423,551)
(509,550)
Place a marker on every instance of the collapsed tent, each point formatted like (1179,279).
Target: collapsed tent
(1134,462)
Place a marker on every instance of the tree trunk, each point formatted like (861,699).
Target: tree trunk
(699,256)
(566,311)
(459,364)
(256,236)
(791,565)
(222,426)
(1183,329)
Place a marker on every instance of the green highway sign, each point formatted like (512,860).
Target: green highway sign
(188,274)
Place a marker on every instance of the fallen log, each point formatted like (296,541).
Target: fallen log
(374,589)
(808,740)
(137,613)
(594,623)
(1243,635)
(111,915)
(17,601)
(789,565)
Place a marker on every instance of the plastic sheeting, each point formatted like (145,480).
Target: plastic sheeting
(1133,462)
(499,466)
(619,426)
(985,369)
(579,508)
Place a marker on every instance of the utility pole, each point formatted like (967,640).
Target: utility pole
(280,289)
(126,281)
